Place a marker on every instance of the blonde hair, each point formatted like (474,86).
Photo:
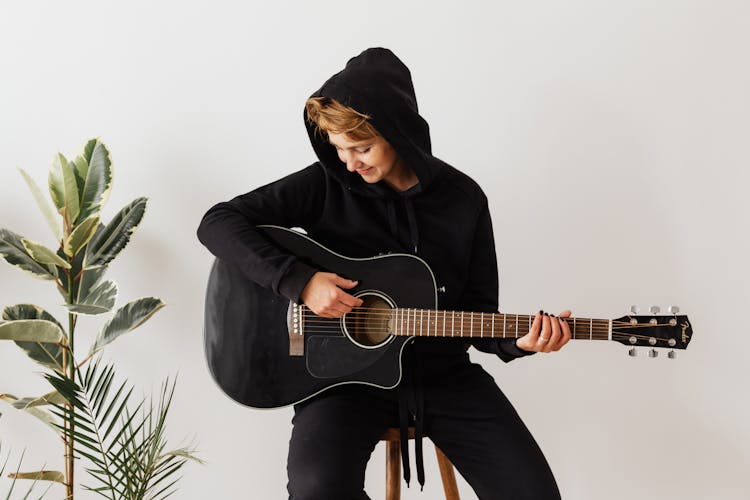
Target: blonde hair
(329,115)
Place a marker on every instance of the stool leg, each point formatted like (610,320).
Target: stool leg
(447,475)
(392,470)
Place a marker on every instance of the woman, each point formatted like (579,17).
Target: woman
(376,188)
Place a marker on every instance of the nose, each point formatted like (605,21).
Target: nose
(350,159)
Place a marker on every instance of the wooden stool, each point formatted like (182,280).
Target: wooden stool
(392,438)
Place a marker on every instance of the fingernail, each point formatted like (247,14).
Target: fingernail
(546,314)
(552,315)
(540,311)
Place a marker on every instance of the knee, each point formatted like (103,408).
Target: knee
(316,483)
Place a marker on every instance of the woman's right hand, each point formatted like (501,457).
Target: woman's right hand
(324,296)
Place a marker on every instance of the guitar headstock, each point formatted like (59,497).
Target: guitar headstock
(666,331)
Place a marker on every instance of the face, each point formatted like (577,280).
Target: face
(373,159)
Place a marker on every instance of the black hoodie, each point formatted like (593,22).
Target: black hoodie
(444,218)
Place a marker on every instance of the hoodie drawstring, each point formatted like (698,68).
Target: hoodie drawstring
(413,230)
(411,404)
(410,393)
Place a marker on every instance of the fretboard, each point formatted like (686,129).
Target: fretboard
(432,323)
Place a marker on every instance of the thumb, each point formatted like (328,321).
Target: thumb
(345,283)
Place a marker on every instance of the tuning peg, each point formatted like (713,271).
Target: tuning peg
(674,309)
(632,352)
(634,309)
(653,353)
(671,354)
(654,309)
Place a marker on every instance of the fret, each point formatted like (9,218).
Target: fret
(428,322)
(609,330)
(493,326)
(443,323)
(574,328)
(453,323)
(516,325)
(462,324)
(421,315)
(481,324)
(471,324)
(504,316)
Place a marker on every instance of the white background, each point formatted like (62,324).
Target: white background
(611,138)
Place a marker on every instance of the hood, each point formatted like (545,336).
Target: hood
(377,83)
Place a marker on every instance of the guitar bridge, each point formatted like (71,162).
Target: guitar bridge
(294,325)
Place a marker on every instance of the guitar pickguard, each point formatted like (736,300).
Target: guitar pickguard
(333,356)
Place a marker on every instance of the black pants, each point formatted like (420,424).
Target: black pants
(465,414)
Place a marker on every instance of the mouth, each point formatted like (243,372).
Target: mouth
(364,171)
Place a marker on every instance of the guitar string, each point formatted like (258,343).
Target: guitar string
(442,313)
(476,322)
(601,334)
(476,326)
(578,336)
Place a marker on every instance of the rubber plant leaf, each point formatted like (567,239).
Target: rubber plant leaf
(15,254)
(107,243)
(42,351)
(80,236)
(43,255)
(127,318)
(43,204)
(94,165)
(98,300)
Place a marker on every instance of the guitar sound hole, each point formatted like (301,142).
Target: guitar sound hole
(369,324)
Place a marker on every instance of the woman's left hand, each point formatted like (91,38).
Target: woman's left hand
(548,333)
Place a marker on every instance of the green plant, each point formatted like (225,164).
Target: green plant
(125,445)
(36,476)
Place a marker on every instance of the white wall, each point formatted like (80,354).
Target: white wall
(611,138)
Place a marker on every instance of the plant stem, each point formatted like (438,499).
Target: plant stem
(70,443)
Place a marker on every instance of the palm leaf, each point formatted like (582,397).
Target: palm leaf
(124,445)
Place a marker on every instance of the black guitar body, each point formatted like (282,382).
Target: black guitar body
(247,327)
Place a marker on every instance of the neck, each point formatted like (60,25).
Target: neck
(401,178)
(432,323)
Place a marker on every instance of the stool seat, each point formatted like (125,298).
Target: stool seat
(392,438)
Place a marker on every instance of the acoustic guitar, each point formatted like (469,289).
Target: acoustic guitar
(265,351)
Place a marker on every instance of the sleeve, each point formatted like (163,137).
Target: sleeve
(481,292)
(228,230)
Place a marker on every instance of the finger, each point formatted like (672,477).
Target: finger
(555,335)
(344,283)
(529,341)
(336,310)
(566,335)
(536,327)
(348,300)
(544,335)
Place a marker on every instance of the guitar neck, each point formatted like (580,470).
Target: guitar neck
(434,323)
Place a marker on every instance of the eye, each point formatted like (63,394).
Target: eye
(362,151)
